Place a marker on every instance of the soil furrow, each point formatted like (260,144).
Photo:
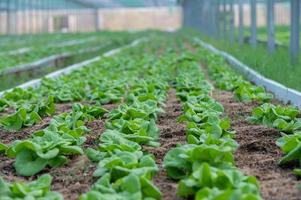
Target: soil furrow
(258,154)
(171,134)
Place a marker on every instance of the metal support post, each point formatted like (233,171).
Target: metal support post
(253,38)
(295,27)
(271,25)
(241,23)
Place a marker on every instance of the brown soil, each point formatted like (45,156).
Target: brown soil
(96,128)
(258,154)
(7,170)
(172,133)
(70,180)
(73,179)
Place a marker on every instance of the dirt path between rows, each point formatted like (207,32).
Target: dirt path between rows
(172,133)
(258,154)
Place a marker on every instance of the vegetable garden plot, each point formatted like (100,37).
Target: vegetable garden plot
(143,124)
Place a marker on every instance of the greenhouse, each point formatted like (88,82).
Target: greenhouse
(150,100)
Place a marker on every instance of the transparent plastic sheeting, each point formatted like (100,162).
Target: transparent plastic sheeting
(281,92)
(36,82)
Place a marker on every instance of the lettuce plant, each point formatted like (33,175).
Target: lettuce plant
(145,132)
(28,115)
(112,141)
(19,119)
(123,163)
(179,162)
(211,133)
(246,92)
(51,146)
(38,189)
(129,187)
(51,149)
(291,146)
(227,183)
(145,110)
(279,117)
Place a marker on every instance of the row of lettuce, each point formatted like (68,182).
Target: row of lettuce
(283,118)
(139,82)
(125,169)
(24,108)
(205,166)
(21,108)
(50,147)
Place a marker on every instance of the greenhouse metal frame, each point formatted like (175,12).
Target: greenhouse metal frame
(219,18)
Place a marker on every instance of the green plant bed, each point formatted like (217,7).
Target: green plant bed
(282,33)
(276,66)
(13,80)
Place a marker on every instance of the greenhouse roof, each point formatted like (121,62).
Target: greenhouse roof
(130,3)
(41,4)
(78,4)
